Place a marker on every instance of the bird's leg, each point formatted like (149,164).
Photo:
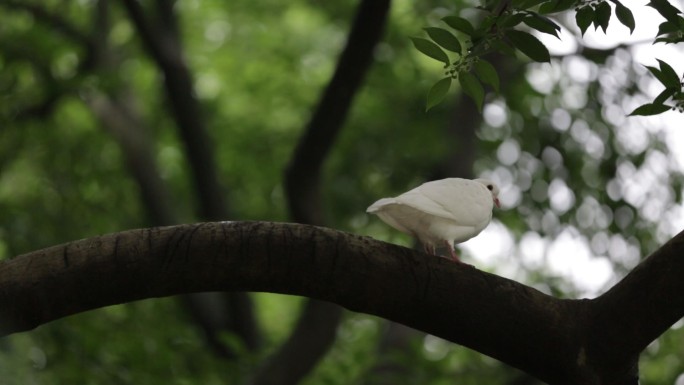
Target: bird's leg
(452,252)
(429,249)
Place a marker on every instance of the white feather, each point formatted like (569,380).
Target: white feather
(448,210)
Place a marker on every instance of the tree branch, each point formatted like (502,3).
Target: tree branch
(165,49)
(120,119)
(161,39)
(303,172)
(547,337)
(316,328)
(637,310)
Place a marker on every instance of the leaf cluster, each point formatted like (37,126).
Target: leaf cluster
(598,13)
(671,31)
(674,91)
(469,44)
(497,32)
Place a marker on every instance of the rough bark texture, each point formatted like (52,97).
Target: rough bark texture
(315,331)
(559,341)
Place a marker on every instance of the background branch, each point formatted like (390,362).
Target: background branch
(161,38)
(315,330)
(166,51)
(302,180)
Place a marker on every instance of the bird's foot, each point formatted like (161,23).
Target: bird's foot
(454,255)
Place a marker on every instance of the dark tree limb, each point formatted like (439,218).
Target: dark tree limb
(310,339)
(165,48)
(637,310)
(160,36)
(303,173)
(559,341)
(315,331)
(120,119)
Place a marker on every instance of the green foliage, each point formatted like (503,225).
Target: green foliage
(438,92)
(487,73)
(625,16)
(444,39)
(599,15)
(472,87)
(529,45)
(460,24)
(555,6)
(430,49)
(584,17)
(63,177)
(674,90)
(541,23)
(496,33)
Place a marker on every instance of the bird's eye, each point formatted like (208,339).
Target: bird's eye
(490,187)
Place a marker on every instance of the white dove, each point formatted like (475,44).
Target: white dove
(441,212)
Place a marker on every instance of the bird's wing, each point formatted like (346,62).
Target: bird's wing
(379,204)
(466,202)
(394,214)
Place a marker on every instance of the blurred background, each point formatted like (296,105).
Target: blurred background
(121,115)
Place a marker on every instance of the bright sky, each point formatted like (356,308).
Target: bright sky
(568,255)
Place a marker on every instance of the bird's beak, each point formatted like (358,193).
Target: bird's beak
(497,203)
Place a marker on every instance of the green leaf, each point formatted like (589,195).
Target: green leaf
(602,15)
(663,96)
(625,16)
(510,20)
(459,24)
(666,75)
(667,40)
(650,109)
(444,38)
(503,47)
(556,6)
(472,87)
(584,17)
(658,74)
(665,9)
(529,45)
(526,4)
(437,93)
(542,24)
(430,49)
(667,27)
(487,73)
(670,77)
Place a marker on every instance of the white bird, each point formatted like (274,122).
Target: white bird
(441,212)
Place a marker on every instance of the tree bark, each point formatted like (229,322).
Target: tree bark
(315,330)
(161,38)
(559,341)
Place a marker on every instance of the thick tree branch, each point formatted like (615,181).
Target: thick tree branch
(550,338)
(161,38)
(315,331)
(637,310)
